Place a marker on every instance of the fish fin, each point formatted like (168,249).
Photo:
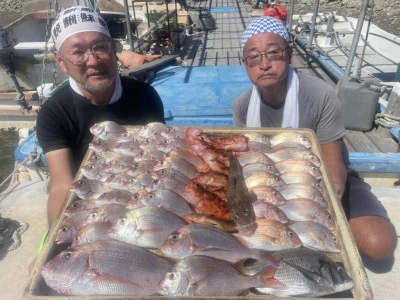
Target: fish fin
(99,277)
(313,276)
(197,285)
(268,277)
(269,259)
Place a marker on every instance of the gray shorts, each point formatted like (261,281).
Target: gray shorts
(358,200)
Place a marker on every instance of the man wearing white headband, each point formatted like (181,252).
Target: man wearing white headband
(95,92)
(280,97)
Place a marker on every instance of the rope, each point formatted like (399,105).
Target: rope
(387,120)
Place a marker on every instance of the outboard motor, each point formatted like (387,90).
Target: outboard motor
(6,53)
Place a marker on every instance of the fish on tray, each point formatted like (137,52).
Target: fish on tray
(271,235)
(105,267)
(303,273)
(302,209)
(107,130)
(208,276)
(298,165)
(316,236)
(146,227)
(239,199)
(195,239)
(88,188)
(290,139)
(205,201)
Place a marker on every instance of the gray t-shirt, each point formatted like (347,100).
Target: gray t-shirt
(319,110)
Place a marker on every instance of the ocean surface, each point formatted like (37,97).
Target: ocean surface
(8,142)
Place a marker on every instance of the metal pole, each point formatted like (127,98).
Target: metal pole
(314,20)
(128,24)
(356,38)
(134,17)
(176,24)
(291,14)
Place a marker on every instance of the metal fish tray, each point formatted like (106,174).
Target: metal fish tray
(349,257)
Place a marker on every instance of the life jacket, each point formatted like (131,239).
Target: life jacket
(276,11)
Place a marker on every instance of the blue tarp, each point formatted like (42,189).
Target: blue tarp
(219,9)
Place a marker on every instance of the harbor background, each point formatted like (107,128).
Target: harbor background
(386,12)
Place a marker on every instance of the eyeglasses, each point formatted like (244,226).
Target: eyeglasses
(272,55)
(79,56)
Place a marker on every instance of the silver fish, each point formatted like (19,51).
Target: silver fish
(88,188)
(252,168)
(268,194)
(92,232)
(290,139)
(239,200)
(105,268)
(307,273)
(146,227)
(265,210)
(251,157)
(195,239)
(299,165)
(208,276)
(265,179)
(303,190)
(302,209)
(70,226)
(107,130)
(94,171)
(301,177)
(316,236)
(295,153)
(271,235)
(106,213)
(167,200)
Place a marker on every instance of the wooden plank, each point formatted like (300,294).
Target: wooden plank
(360,142)
(384,144)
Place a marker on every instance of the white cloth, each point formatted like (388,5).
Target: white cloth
(290,110)
(76,19)
(117,89)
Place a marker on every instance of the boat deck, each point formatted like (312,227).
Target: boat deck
(221,47)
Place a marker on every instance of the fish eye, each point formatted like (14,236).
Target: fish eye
(335,239)
(135,197)
(122,221)
(329,217)
(68,254)
(274,193)
(76,205)
(290,234)
(64,229)
(93,215)
(171,275)
(339,269)
(175,236)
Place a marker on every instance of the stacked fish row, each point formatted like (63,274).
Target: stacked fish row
(173,190)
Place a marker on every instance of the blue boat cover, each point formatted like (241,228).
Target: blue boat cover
(200,96)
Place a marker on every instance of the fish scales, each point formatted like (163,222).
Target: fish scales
(239,200)
(105,268)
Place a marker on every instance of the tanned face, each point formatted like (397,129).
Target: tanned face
(268,74)
(97,74)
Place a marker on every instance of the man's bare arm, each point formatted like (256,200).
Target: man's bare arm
(334,162)
(61,168)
